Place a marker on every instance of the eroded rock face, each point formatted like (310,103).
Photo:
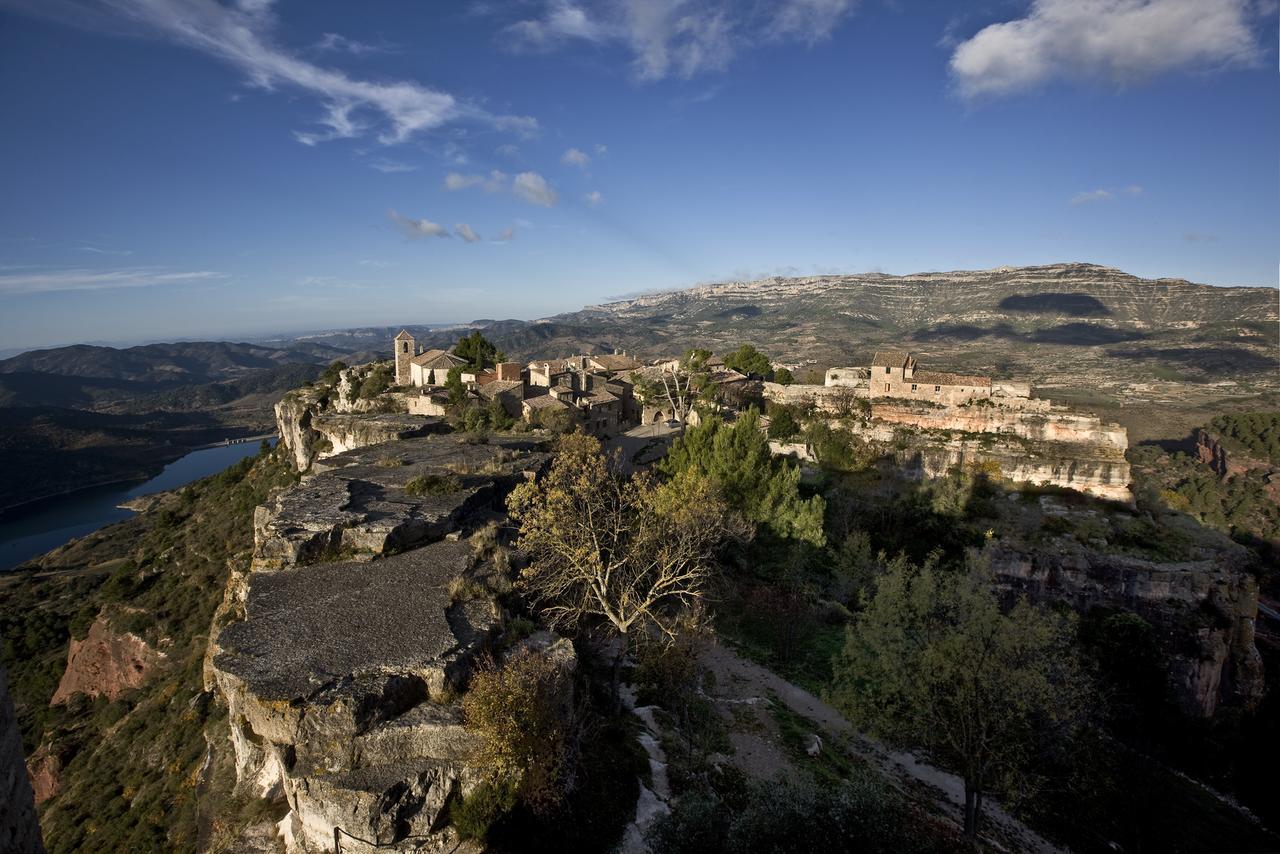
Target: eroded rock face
(106,663)
(19,827)
(313,426)
(356,504)
(1204,610)
(339,684)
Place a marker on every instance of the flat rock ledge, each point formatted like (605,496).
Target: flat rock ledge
(339,686)
(356,506)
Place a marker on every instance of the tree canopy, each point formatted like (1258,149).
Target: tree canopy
(934,662)
(478,351)
(748,360)
(763,488)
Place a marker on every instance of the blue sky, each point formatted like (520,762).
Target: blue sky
(192,168)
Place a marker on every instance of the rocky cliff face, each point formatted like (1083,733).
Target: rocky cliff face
(312,426)
(1204,609)
(339,654)
(19,827)
(106,663)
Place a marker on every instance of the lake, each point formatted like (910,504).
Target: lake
(46,524)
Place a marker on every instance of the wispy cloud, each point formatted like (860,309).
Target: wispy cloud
(1117,40)
(98,250)
(495,182)
(534,189)
(1104,195)
(391,167)
(594,199)
(240,34)
(416,229)
(527,186)
(575,157)
(51,281)
(466,232)
(679,38)
(505,235)
(341,44)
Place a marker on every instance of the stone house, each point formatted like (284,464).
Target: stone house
(894,375)
(424,369)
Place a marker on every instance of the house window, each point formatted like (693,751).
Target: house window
(887,387)
(913,386)
(937,388)
(886,369)
(404,347)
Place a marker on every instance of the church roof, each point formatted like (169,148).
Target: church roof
(436,359)
(404,333)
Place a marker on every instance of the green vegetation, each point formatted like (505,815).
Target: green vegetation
(1254,434)
(332,373)
(478,351)
(782,376)
(783,423)
(765,489)
(750,361)
(433,484)
(933,661)
(379,379)
(130,765)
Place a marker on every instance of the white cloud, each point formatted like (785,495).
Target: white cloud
(342,44)
(809,21)
(98,250)
(494,183)
(679,38)
(508,150)
(534,189)
(241,35)
(574,157)
(601,150)
(52,281)
(382,164)
(1104,195)
(417,228)
(1117,40)
(505,235)
(595,198)
(466,232)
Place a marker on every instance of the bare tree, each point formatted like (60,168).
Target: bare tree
(627,553)
(680,382)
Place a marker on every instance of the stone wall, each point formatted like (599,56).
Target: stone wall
(19,827)
(1058,426)
(835,399)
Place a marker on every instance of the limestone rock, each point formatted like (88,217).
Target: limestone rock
(19,827)
(106,663)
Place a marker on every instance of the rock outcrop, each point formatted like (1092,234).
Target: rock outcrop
(356,504)
(19,827)
(1203,609)
(106,663)
(314,425)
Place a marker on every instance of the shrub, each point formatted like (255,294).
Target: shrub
(433,484)
(475,814)
(518,712)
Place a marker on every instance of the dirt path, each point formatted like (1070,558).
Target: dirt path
(739,682)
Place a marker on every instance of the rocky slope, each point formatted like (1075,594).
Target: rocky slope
(19,827)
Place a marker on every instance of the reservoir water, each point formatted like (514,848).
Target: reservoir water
(36,528)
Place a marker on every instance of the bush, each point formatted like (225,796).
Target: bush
(378,381)
(518,712)
(433,484)
(475,814)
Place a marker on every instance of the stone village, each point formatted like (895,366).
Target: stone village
(952,419)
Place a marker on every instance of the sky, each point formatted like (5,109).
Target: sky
(184,169)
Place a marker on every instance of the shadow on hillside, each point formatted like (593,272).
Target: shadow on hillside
(1075,305)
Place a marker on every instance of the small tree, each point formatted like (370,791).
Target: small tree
(478,351)
(748,360)
(682,384)
(628,554)
(782,423)
(932,661)
(783,376)
(764,488)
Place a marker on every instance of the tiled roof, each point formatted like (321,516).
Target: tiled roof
(404,333)
(435,359)
(890,359)
(492,389)
(614,362)
(544,401)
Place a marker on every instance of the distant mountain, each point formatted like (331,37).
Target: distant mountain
(169,364)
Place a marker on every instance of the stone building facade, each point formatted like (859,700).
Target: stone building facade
(894,374)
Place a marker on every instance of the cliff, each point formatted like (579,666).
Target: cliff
(19,827)
(339,653)
(106,663)
(313,424)
(1203,609)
